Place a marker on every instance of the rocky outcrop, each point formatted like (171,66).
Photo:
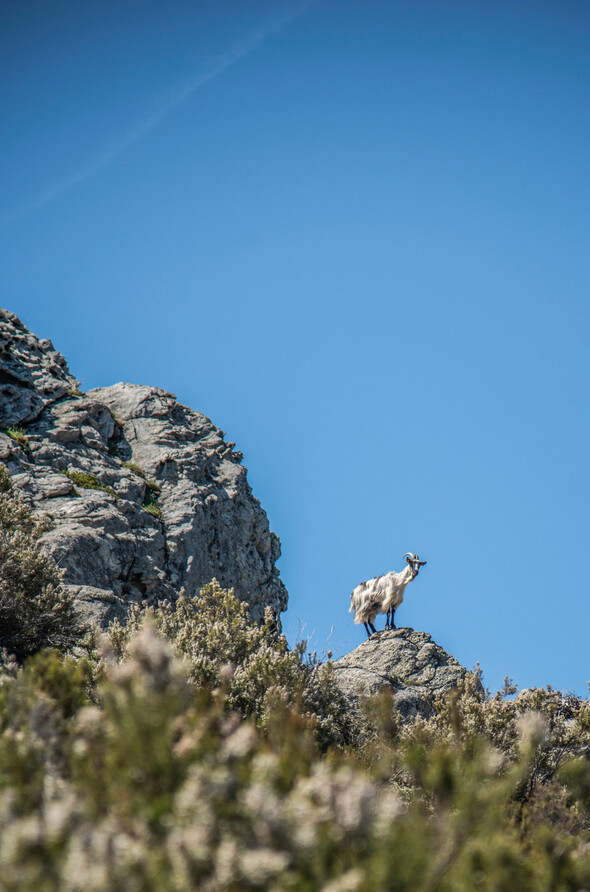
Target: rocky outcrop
(32,373)
(407,662)
(139,496)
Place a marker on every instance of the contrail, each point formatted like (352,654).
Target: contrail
(175,98)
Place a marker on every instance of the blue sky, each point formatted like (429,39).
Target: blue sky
(355,235)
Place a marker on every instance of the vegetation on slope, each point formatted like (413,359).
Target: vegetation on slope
(223,648)
(191,749)
(35,610)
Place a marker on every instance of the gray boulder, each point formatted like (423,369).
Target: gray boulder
(407,662)
(138,495)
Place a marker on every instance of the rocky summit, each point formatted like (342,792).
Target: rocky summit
(138,496)
(408,663)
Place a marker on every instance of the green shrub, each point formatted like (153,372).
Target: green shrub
(19,435)
(556,726)
(89,481)
(224,647)
(35,610)
(152,490)
(147,782)
(150,499)
(135,469)
(153,509)
(194,750)
(37,705)
(5,481)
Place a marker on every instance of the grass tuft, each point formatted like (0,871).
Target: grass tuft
(153,509)
(19,435)
(89,481)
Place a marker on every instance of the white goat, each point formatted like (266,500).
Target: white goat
(383,594)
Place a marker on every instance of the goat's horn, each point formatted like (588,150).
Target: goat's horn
(409,554)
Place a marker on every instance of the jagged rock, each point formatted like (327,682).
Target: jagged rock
(139,496)
(408,662)
(32,373)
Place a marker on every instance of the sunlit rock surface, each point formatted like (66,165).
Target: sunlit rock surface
(165,502)
(408,663)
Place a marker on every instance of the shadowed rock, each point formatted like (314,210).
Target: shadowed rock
(413,666)
(139,495)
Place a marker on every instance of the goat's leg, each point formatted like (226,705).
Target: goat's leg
(387,620)
(373,629)
(392,624)
(367,630)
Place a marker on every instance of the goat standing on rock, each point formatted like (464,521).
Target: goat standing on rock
(383,594)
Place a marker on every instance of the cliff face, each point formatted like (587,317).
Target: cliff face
(139,495)
(407,662)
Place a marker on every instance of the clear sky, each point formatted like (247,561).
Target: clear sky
(354,233)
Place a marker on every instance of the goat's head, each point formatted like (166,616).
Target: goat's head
(414,562)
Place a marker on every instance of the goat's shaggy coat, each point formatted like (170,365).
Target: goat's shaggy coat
(383,594)
(379,595)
